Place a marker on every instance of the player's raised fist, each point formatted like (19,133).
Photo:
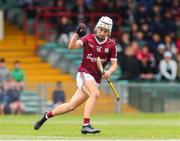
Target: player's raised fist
(81,29)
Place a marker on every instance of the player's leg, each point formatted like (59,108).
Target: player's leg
(78,98)
(90,87)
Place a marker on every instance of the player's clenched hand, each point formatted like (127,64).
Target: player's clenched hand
(81,29)
(106,74)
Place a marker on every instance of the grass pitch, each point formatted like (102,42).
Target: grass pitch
(113,127)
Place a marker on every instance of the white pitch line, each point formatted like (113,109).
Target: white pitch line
(120,122)
(65,138)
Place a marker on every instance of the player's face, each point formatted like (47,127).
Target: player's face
(102,32)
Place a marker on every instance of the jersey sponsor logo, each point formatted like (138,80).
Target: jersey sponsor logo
(91,58)
(94,59)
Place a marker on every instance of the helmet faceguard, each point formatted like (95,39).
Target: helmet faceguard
(105,22)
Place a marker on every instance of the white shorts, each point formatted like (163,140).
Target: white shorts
(82,77)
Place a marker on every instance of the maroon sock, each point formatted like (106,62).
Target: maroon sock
(49,114)
(86,121)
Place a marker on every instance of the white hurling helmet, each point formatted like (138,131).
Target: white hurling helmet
(105,22)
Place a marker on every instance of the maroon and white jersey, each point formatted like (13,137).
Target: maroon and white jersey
(92,49)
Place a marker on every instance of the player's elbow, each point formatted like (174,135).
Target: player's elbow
(95,95)
(70,47)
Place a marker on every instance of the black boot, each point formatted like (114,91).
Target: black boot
(40,122)
(89,130)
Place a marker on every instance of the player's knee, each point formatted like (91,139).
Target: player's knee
(96,95)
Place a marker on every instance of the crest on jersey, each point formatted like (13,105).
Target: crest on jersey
(106,50)
(98,48)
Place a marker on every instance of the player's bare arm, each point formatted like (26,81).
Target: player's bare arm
(111,69)
(74,42)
